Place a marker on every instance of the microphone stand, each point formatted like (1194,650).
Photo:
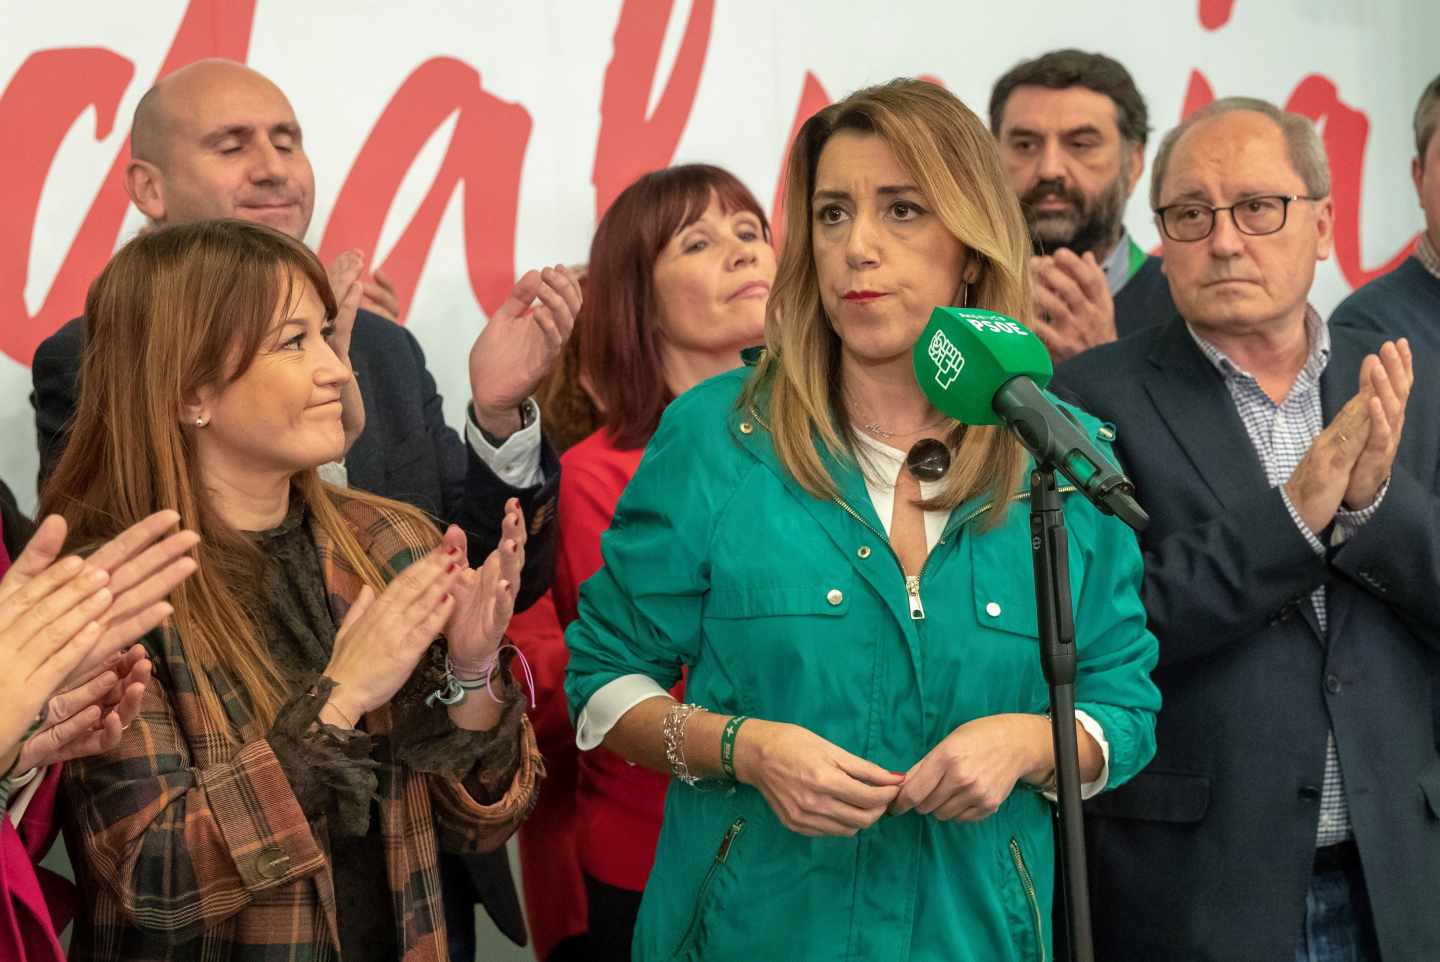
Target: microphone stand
(1050,551)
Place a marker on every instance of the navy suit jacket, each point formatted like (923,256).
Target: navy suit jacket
(1144,301)
(1207,853)
(407,452)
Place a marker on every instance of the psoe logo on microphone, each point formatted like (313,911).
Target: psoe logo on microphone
(949,362)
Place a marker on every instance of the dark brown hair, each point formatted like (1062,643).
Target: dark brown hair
(620,339)
(1426,117)
(1059,69)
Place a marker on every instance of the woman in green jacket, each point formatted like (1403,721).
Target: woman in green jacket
(861,774)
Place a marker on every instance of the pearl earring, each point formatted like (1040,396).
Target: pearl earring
(200,421)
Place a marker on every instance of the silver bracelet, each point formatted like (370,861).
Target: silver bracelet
(674,730)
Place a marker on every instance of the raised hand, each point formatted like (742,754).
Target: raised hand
(89,719)
(382,638)
(345,281)
(485,596)
(381,297)
(62,621)
(519,345)
(1387,378)
(813,787)
(1318,484)
(143,572)
(1074,302)
(48,626)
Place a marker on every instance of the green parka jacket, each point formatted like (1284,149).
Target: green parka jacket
(794,609)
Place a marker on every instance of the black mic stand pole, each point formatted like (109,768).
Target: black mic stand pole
(1050,549)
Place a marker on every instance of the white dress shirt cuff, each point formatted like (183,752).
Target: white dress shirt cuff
(517,460)
(609,703)
(1093,729)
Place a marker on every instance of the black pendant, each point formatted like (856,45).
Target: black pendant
(928,460)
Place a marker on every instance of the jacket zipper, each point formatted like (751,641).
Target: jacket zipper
(721,856)
(912,582)
(1028,884)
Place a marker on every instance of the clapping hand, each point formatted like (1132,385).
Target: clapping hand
(345,272)
(519,345)
(485,596)
(1074,302)
(63,621)
(1351,458)
(89,718)
(382,638)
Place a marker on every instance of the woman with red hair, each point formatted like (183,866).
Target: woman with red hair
(680,270)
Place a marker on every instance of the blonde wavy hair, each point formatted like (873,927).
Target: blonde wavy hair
(956,165)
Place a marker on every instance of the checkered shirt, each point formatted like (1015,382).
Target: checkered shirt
(1281,434)
(1428,257)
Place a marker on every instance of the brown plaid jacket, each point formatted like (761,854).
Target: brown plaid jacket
(188,847)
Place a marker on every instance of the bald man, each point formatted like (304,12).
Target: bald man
(216,139)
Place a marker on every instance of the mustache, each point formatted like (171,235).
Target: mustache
(1046,189)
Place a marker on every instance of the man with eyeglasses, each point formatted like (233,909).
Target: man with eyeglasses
(1072,129)
(1292,571)
(1406,301)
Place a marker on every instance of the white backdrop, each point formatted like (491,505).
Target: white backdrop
(457,197)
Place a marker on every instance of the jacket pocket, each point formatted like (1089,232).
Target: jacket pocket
(1003,602)
(824,596)
(1153,796)
(689,942)
(1036,924)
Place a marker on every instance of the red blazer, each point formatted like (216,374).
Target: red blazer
(36,903)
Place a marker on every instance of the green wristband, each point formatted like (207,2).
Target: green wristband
(727,745)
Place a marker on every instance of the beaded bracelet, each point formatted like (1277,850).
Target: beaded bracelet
(727,745)
(674,731)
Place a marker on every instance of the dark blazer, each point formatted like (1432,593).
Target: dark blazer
(15,528)
(407,452)
(1207,854)
(1144,301)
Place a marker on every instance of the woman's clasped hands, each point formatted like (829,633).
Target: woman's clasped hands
(817,788)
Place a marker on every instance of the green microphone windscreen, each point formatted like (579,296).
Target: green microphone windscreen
(966,354)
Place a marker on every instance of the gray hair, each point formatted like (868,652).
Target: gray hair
(1307,153)
(1426,117)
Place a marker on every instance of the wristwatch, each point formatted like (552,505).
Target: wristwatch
(528,413)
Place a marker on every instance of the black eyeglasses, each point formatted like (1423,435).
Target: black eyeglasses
(1256,216)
